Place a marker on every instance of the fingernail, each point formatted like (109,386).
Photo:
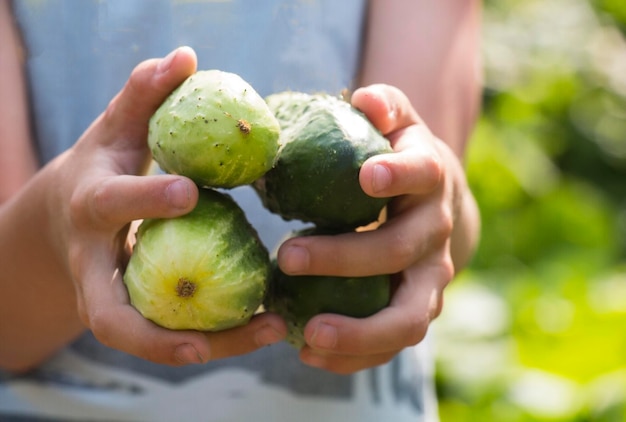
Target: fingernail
(187,354)
(295,259)
(178,194)
(381,178)
(165,64)
(324,337)
(267,335)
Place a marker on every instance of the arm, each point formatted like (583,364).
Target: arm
(25,262)
(36,296)
(431,53)
(17,158)
(421,89)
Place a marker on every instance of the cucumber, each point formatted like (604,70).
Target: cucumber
(216,130)
(324,142)
(299,298)
(206,270)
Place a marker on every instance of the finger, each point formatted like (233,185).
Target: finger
(262,330)
(386,107)
(394,246)
(113,201)
(123,328)
(415,168)
(147,87)
(342,364)
(403,323)
(115,323)
(391,329)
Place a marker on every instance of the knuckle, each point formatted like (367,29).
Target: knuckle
(438,308)
(405,249)
(77,209)
(104,323)
(83,315)
(100,200)
(402,251)
(443,226)
(415,328)
(99,204)
(99,322)
(447,269)
(91,205)
(433,171)
(446,272)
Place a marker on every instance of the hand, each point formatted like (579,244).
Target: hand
(425,236)
(102,189)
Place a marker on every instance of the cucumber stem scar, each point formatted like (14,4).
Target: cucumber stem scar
(185,288)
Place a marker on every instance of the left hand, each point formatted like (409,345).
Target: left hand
(415,244)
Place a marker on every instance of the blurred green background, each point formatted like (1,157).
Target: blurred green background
(535,328)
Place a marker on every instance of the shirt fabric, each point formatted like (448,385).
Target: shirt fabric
(79,55)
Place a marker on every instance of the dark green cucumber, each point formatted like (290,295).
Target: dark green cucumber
(324,143)
(299,298)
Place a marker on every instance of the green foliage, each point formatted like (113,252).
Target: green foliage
(613,9)
(533,329)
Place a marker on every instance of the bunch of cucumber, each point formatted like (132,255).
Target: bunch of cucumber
(302,154)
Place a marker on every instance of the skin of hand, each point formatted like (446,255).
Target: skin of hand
(93,191)
(431,208)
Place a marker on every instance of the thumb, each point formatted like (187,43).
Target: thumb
(149,84)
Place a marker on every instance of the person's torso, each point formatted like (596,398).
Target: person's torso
(79,54)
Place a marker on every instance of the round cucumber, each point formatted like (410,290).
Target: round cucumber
(206,270)
(216,130)
(324,143)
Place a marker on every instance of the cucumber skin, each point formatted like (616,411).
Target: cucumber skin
(324,143)
(215,129)
(299,298)
(216,248)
